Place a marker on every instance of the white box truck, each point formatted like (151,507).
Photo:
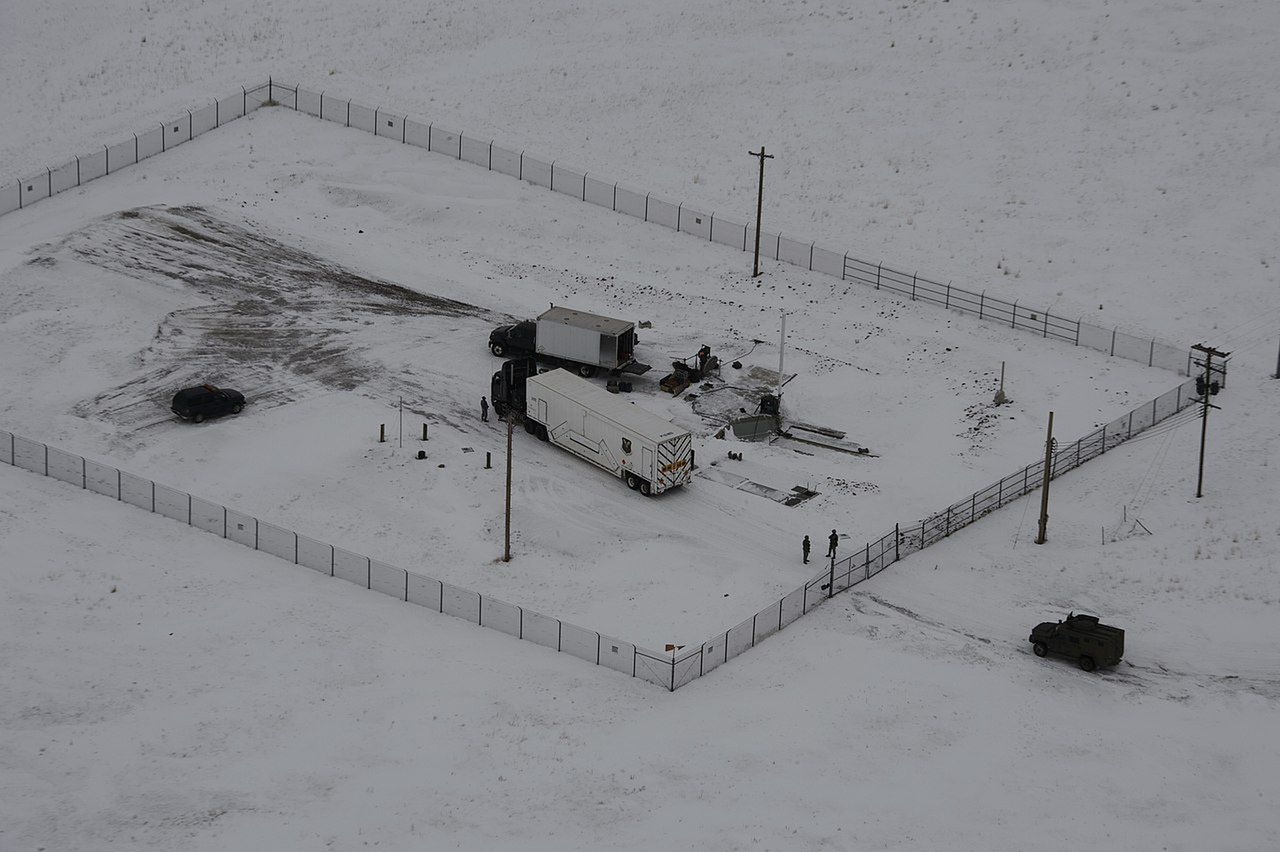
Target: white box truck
(576,340)
(650,454)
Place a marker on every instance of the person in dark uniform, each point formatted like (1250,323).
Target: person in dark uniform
(805,547)
(484,409)
(833,541)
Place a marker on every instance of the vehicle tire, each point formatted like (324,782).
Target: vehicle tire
(1040,649)
(198,417)
(645,488)
(530,427)
(496,349)
(541,432)
(632,482)
(1088,664)
(586,371)
(237,408)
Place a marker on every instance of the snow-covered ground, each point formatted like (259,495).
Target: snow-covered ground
(163,689)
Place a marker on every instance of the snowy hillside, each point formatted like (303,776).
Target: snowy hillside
(163,689)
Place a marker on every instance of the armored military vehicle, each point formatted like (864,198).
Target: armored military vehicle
(1081,638)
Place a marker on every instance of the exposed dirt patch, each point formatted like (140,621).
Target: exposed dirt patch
(279,323)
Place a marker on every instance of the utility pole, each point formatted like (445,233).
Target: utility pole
(1209,354)
(755,270)
(1044,490)
(782,345)
(511,426)
(402,423)
(1277,375)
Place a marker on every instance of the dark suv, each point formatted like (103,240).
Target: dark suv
(195,404)
(1081,638)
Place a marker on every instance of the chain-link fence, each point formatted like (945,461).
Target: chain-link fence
(110,158)
(410,587)
(691,663)
(670,670)
(594,189)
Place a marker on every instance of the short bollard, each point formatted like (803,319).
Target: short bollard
(487,461)
(424,431)
(382,434)
(422,454)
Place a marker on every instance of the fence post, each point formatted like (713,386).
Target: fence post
(191,134)
(135,148)
(913,286)
(615,196)
(948,522)
(553,174)
(753,629)
(1177,406)
(295,552)
(1113,341)
(831,581)
(646,218)
(519,176)
(1013,321)
(947,304)
(1151,357)
(295,547)
(982,299)
(679,210)
(244,101)
(1130,435)
(368,568)
(879,266)
(897,538)
(711,229)
(255,533)
(459,145)
(867,561)
(1078,331)
(1104,435)
(584,185)
(271,91)
(1000,493)
(49,171)
(777,249)
(348,124)
(973,507)
(811,245)
(1046,323)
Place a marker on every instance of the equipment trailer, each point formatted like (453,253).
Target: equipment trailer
(650,454)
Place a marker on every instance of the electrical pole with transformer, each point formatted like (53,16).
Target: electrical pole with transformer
(1207,387)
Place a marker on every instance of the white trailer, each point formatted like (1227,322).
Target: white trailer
(650,454)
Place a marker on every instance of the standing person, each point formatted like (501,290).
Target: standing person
(484,409)
(833,542)
(805,547)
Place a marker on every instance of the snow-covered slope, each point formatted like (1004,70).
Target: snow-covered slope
(162,689)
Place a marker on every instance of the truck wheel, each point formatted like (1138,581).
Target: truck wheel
(645,488)
(198,417)
(541,432)
(1088,664)
(530,427)
(237,408)
(1040,649)
(632,482)
(496,349)
(586,371)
